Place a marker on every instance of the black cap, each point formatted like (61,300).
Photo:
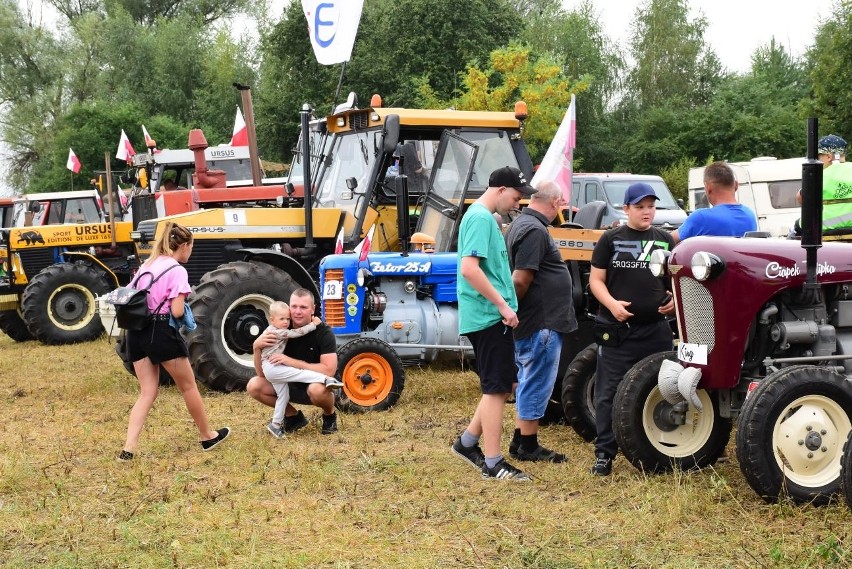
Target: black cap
(510,178)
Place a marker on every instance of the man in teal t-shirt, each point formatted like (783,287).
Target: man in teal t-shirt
(487,305)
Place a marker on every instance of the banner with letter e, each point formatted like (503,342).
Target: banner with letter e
(332,25)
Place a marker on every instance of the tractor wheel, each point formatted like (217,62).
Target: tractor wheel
(14,326)
(648,436)
(231,308)
(578,389)
(165,378)
(790,434)
(846,471)
(372,376)
(58,304)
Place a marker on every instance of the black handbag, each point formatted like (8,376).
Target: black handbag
(131,304)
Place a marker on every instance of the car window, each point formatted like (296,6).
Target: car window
(782,194)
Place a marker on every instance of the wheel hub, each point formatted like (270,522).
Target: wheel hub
(813,441)
(242,327)
(365,378)
(68,307)
(668,417)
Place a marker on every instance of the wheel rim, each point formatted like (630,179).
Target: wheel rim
(367,379)
(71,307)
(242,322)
(678,441)
(807,440)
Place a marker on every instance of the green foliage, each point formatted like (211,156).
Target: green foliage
(831,76)
(676,176)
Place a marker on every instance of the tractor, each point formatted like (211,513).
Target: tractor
(765,328)
(245,258)
(390,309)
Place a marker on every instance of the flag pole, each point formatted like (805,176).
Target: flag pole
(339,84)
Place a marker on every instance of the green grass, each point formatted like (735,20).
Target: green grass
(383,492)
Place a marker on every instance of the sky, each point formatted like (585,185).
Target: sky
(735,27)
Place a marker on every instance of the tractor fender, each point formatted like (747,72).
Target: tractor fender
(80,256)
(287,264)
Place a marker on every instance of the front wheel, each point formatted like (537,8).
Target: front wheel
(231,309)
(791,431)
(578,390)
(14,326)
(372,375)
(654,438)
(58,304)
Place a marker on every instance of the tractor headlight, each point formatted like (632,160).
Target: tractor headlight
(659,263)
(706,265)
(364,276)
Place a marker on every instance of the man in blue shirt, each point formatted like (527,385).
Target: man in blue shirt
(726,217)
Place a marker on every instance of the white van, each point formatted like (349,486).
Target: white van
(767,185)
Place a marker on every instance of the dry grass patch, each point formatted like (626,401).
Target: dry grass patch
(383,492)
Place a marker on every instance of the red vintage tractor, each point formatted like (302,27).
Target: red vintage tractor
(765,328)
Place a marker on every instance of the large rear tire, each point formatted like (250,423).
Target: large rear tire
(231,309)
(578,390)
(647,436)
(846,471)
(58,304)
(791,431)
(372,374)
(14,326)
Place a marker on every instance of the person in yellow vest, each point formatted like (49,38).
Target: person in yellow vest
(836,188)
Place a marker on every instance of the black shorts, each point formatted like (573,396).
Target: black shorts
(494,348)
(299,393)
(157,341)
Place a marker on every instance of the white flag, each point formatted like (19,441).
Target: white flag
(332,25)
(125,149)
(558,162)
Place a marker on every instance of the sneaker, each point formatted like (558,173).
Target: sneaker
(276,431)
(221,435)
(473,455)
(504,471)
(295,422)
(602,465)
(124,456)
(333,383)
(540,454)
(329,424)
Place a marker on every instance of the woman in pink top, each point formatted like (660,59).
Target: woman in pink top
(159,344)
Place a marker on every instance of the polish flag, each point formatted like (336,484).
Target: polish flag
(338,245)
(558,162)
(149,142)
(73,163)
(125,149)
(240,136)
(363,248)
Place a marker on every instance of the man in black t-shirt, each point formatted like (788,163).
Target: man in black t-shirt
(633,304)
(545,315)
(316,351)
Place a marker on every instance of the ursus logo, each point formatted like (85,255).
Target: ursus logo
(31,237)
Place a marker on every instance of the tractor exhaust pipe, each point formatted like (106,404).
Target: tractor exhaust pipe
(305,115)
(811,214)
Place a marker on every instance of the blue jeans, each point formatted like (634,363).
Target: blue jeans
(537,358)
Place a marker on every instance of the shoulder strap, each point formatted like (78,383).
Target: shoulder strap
(153,279)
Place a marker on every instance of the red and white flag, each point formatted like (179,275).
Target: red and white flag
(240,136)
(363,248)
(125,149)
(149,142)
(73,163)
(338,245)
(332,25)
(558,162)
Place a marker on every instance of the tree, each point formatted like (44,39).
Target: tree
(672,58)
(830,74)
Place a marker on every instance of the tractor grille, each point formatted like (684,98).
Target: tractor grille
(335,309)
(208,255)
(35,260)
(697,302)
